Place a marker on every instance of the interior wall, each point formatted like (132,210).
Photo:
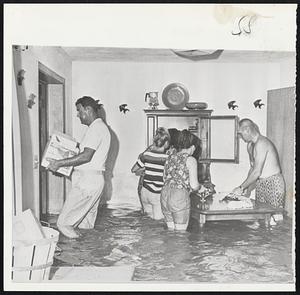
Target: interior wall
(214,83)
(288,72)
(55,59)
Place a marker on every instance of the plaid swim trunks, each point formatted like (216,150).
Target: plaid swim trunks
(271,190)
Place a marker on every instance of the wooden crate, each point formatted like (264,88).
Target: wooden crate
(31,260)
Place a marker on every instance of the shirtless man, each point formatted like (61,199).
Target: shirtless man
(265,168)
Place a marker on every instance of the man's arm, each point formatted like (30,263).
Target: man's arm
(82,158)
(250,153)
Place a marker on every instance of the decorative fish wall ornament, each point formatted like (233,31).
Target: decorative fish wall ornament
(232,105)
(258,103)
(123,108)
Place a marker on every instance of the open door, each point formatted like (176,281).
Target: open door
(223,142)
(281,115)
(51,118)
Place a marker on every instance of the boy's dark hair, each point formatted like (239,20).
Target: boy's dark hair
(89,101)
(161,137)
(184,140)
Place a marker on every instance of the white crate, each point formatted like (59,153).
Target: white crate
(32,260)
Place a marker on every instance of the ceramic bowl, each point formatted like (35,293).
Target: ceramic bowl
(196,105)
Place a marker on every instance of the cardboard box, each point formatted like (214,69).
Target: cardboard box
(26,227)
(60,146)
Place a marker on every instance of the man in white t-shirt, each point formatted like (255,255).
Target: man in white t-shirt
(81,206)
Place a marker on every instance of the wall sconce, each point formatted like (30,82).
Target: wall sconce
(20,77)
(30,101)
(196,55)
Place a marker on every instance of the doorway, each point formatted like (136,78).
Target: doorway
(52,187)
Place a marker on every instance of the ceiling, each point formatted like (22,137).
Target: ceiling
(109,54)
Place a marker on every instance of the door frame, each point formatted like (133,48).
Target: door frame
(52,78)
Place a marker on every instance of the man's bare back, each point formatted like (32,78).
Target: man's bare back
(271,165)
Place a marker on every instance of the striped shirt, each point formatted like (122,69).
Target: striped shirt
(154,163)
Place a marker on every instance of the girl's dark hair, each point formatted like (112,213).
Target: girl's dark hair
(161,137)
(89,101)
(184,140)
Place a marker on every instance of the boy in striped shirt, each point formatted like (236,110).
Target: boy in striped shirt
(152,161)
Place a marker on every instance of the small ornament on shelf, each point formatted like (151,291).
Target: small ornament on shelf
(152,99)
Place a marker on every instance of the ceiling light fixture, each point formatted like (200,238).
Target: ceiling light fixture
(197,55)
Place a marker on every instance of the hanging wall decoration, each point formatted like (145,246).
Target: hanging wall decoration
(258,103)
(232,105)
(123,108)
(30,101)
(20,77)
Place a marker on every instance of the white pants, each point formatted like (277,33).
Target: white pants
(81,206)
(151,204)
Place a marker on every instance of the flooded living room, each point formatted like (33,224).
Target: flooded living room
(115,134)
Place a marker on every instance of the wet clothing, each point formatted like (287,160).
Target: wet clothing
(151,204)
(153,162)
(175,204)
(139,190)
(271,190)
(175,195)
(81,205)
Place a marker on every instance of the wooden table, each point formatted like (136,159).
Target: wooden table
(259,212)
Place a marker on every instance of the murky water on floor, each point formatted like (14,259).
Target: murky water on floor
(223,252)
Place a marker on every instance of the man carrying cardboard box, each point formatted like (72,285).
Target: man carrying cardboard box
(81,206)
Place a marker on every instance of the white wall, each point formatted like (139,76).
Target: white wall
(216,84)
(56,60)
(288,72)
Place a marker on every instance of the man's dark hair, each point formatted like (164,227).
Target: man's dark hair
(89,101)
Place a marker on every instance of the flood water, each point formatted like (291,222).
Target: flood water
(223,252)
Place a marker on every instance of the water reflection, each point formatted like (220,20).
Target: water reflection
(224,252)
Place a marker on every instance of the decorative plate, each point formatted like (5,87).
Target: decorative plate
(196,105)
(175,96)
